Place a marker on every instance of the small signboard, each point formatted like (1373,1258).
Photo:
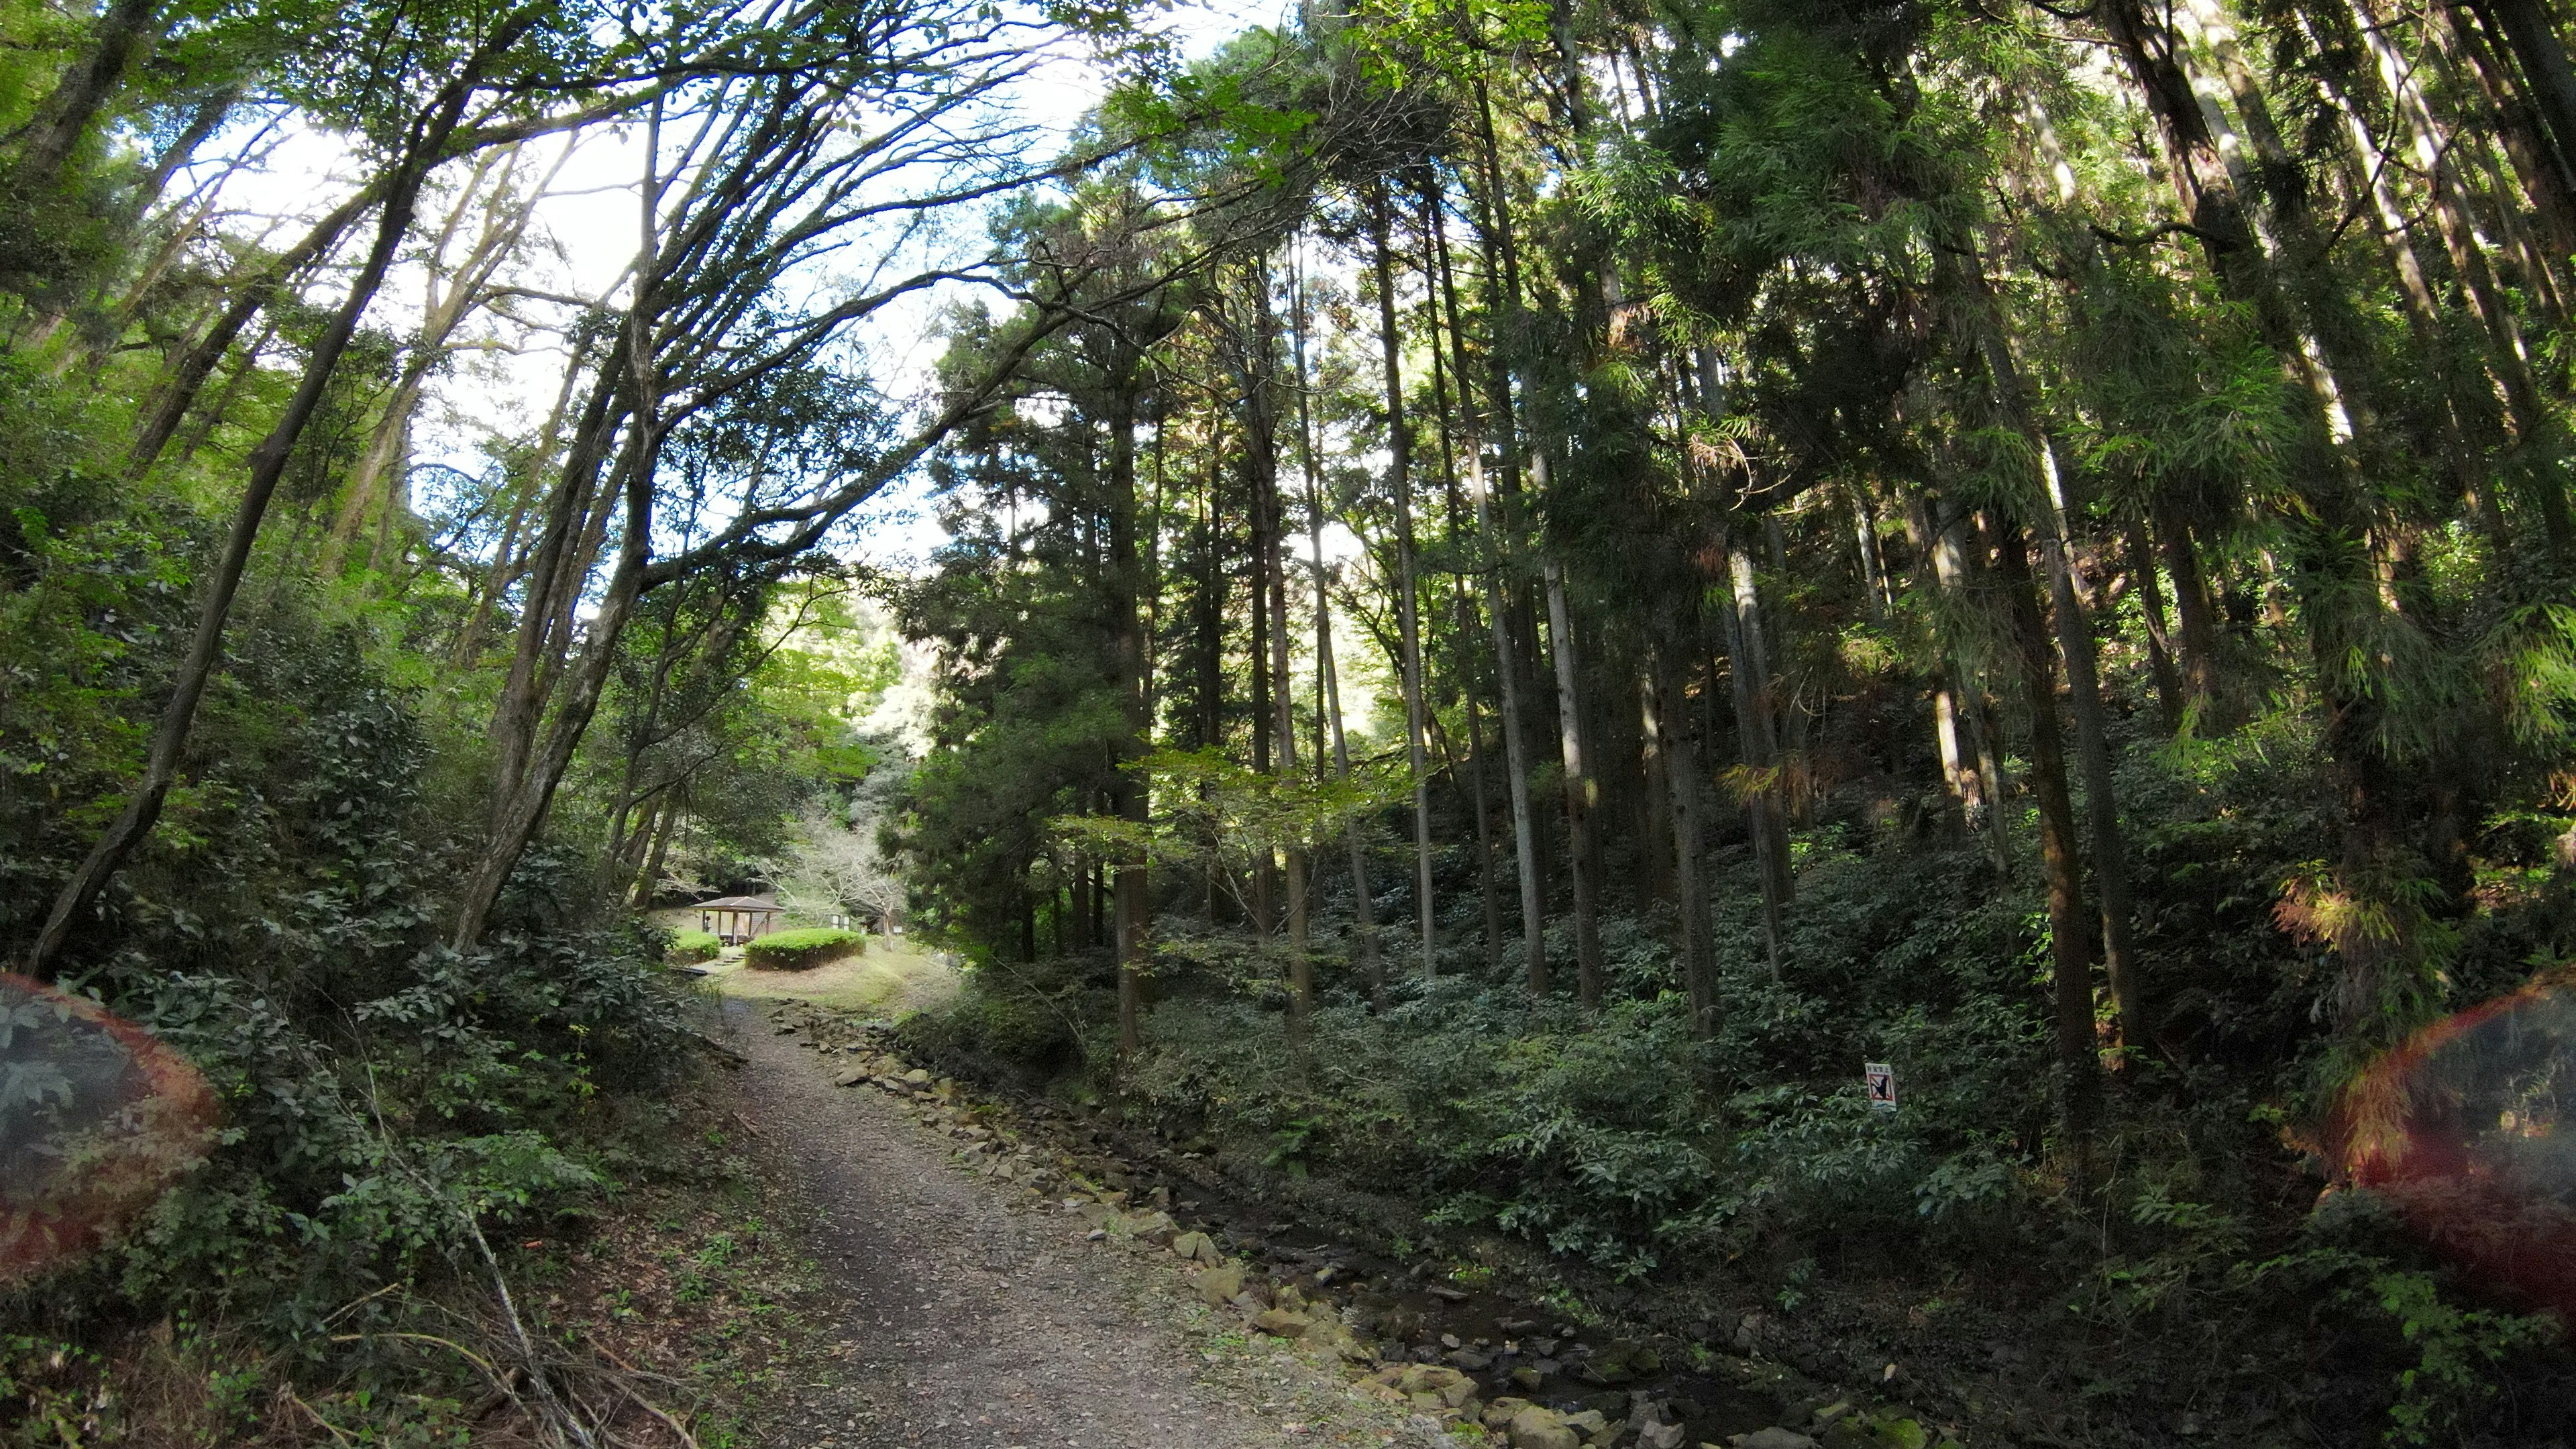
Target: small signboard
(1882,1085)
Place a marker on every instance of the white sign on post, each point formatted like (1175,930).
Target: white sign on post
(1882,1085)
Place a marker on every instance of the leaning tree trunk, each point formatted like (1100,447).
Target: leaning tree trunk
(429,136)
(124,34)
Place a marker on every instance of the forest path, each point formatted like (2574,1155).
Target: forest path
(971,1315)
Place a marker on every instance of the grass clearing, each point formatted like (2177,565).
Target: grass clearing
(893,978)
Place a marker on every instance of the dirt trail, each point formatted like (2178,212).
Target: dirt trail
(970,1319)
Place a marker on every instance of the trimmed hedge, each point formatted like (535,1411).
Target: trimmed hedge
(688,947)
(803,950)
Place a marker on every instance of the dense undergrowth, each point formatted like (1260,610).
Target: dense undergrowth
(394,1115)
(2198,1268)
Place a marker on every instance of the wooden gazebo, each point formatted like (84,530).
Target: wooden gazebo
(736,919)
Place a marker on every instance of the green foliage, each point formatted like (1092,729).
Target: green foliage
(803,950)
(688,947)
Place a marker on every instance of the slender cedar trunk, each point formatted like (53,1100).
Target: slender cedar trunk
(2546,175)
(2071,964)
(1507,322)
(1441,292)
(1756,743)
(429,136)
(170,405)
(1258,442)
(2240,240)
(124,35)
(2530,33)
(1865,543)
(1495,564)
(2195,612)
(2508,359)
(1953,568)
(2151,608)
(1328,679)
(1665,715)
(2075,643)
(1083,915)
(1516,750)
(1127,792)
(1581,790)
(1650,808)
(1954,722)
(1208,608)
(2469,420)
(1363,901)
(1407,619)
(1270,592)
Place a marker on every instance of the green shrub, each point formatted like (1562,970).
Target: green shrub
(803,950)
(688,946)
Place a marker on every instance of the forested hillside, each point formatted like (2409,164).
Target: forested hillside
(1529,589)
(429,440)
(1694,548)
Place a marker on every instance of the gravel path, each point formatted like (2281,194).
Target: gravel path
(968,1316)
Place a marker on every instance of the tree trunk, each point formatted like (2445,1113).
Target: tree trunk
(2531,34)
(1749,669)
(1665,723)
(1408,622)
(1328,680)
(1581,790)
(170,405)
(1271,594)
(2075,643)
(2078,1069)
(2151,608)
(268,462)
(1130,914)
(1442,297)
(124,34)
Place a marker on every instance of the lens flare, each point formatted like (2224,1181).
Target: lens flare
(2464,1127)
(97,1120)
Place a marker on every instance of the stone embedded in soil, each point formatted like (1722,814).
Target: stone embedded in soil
(1774,1437)
(1285,1323)
(1660,1436)
(1449,1386)
(1221,1283)
(1538,1427)
(1194,1247)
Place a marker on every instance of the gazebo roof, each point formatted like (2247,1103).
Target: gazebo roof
(736,903)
